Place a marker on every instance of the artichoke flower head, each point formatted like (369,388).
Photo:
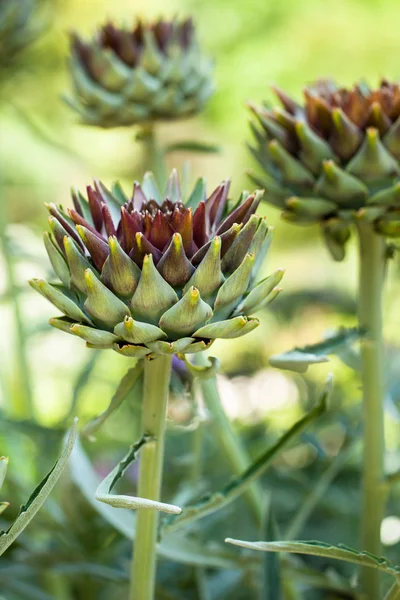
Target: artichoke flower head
(333,160)
(155,71)
(154,274)
(20,25)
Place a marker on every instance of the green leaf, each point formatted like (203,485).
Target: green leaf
(394,592)
(299,359)
(339,552)
(176,547)
(272,567)
(202,371)
(192,146)
(39,495)
(3,469)
(126,385)
(212,502)
(317,491)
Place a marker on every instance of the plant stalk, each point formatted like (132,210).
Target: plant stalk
(233,449)
(155,397)
(22,392)
(154,154)
(372,276)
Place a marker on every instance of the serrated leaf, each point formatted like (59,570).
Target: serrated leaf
(125,386)
(339,552)
(299,359)
(39,495)
(213,502)
(178,548)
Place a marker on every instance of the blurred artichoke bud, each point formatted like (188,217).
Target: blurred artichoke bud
(334,160)
(153,72)
(18,29)
(156,275)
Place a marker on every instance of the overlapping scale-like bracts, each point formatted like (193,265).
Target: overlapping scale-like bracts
(19,27)
(155,71)
(152,274)
(334,159)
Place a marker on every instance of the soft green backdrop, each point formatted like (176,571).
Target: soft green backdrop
(43,152)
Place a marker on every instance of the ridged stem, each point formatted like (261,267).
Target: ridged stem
(234,451)
(157,374)
(372,275)
(22,396)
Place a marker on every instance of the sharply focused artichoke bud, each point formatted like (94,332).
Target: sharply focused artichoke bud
(154,275)
(18,29)
(334,160)
(153,72)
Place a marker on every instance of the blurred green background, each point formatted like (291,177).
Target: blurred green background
(43,152)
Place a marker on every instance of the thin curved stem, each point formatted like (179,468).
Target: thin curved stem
(155,397)
(372,275)
(233,449)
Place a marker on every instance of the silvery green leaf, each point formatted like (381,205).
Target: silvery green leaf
(126,384)
(299,359)
(213,502)
(339,552)
(39,495)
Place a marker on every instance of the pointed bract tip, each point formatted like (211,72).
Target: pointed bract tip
(372,135)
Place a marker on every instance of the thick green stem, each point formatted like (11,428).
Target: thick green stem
(234,451)
(155,397)
(372,275)
(154,154)
(22,396)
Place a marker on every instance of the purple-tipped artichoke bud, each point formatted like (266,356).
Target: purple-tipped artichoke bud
(155,273)
(334,160)
(155,71)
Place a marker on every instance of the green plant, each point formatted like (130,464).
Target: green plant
(334,161)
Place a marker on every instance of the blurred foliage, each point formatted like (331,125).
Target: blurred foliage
(70,551)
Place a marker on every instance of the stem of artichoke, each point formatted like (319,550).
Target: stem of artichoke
(22,398)
(234,451)
(372,276)
(154,154)
(157,374)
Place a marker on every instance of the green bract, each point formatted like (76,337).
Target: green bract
(335,160)
(152,274)
(18,29)
(128,76)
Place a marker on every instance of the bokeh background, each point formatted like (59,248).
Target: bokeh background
(44,151)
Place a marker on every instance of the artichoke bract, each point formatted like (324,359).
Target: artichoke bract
(153,72)
(333,160)
(18,29)
(152,274)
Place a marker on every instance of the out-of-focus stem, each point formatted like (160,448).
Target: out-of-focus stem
(22,397)
(233,449)
(154,154)
(372,275)
(155,396)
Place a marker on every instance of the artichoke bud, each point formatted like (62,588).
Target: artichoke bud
(155,71)
(327,160)
(174,276)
